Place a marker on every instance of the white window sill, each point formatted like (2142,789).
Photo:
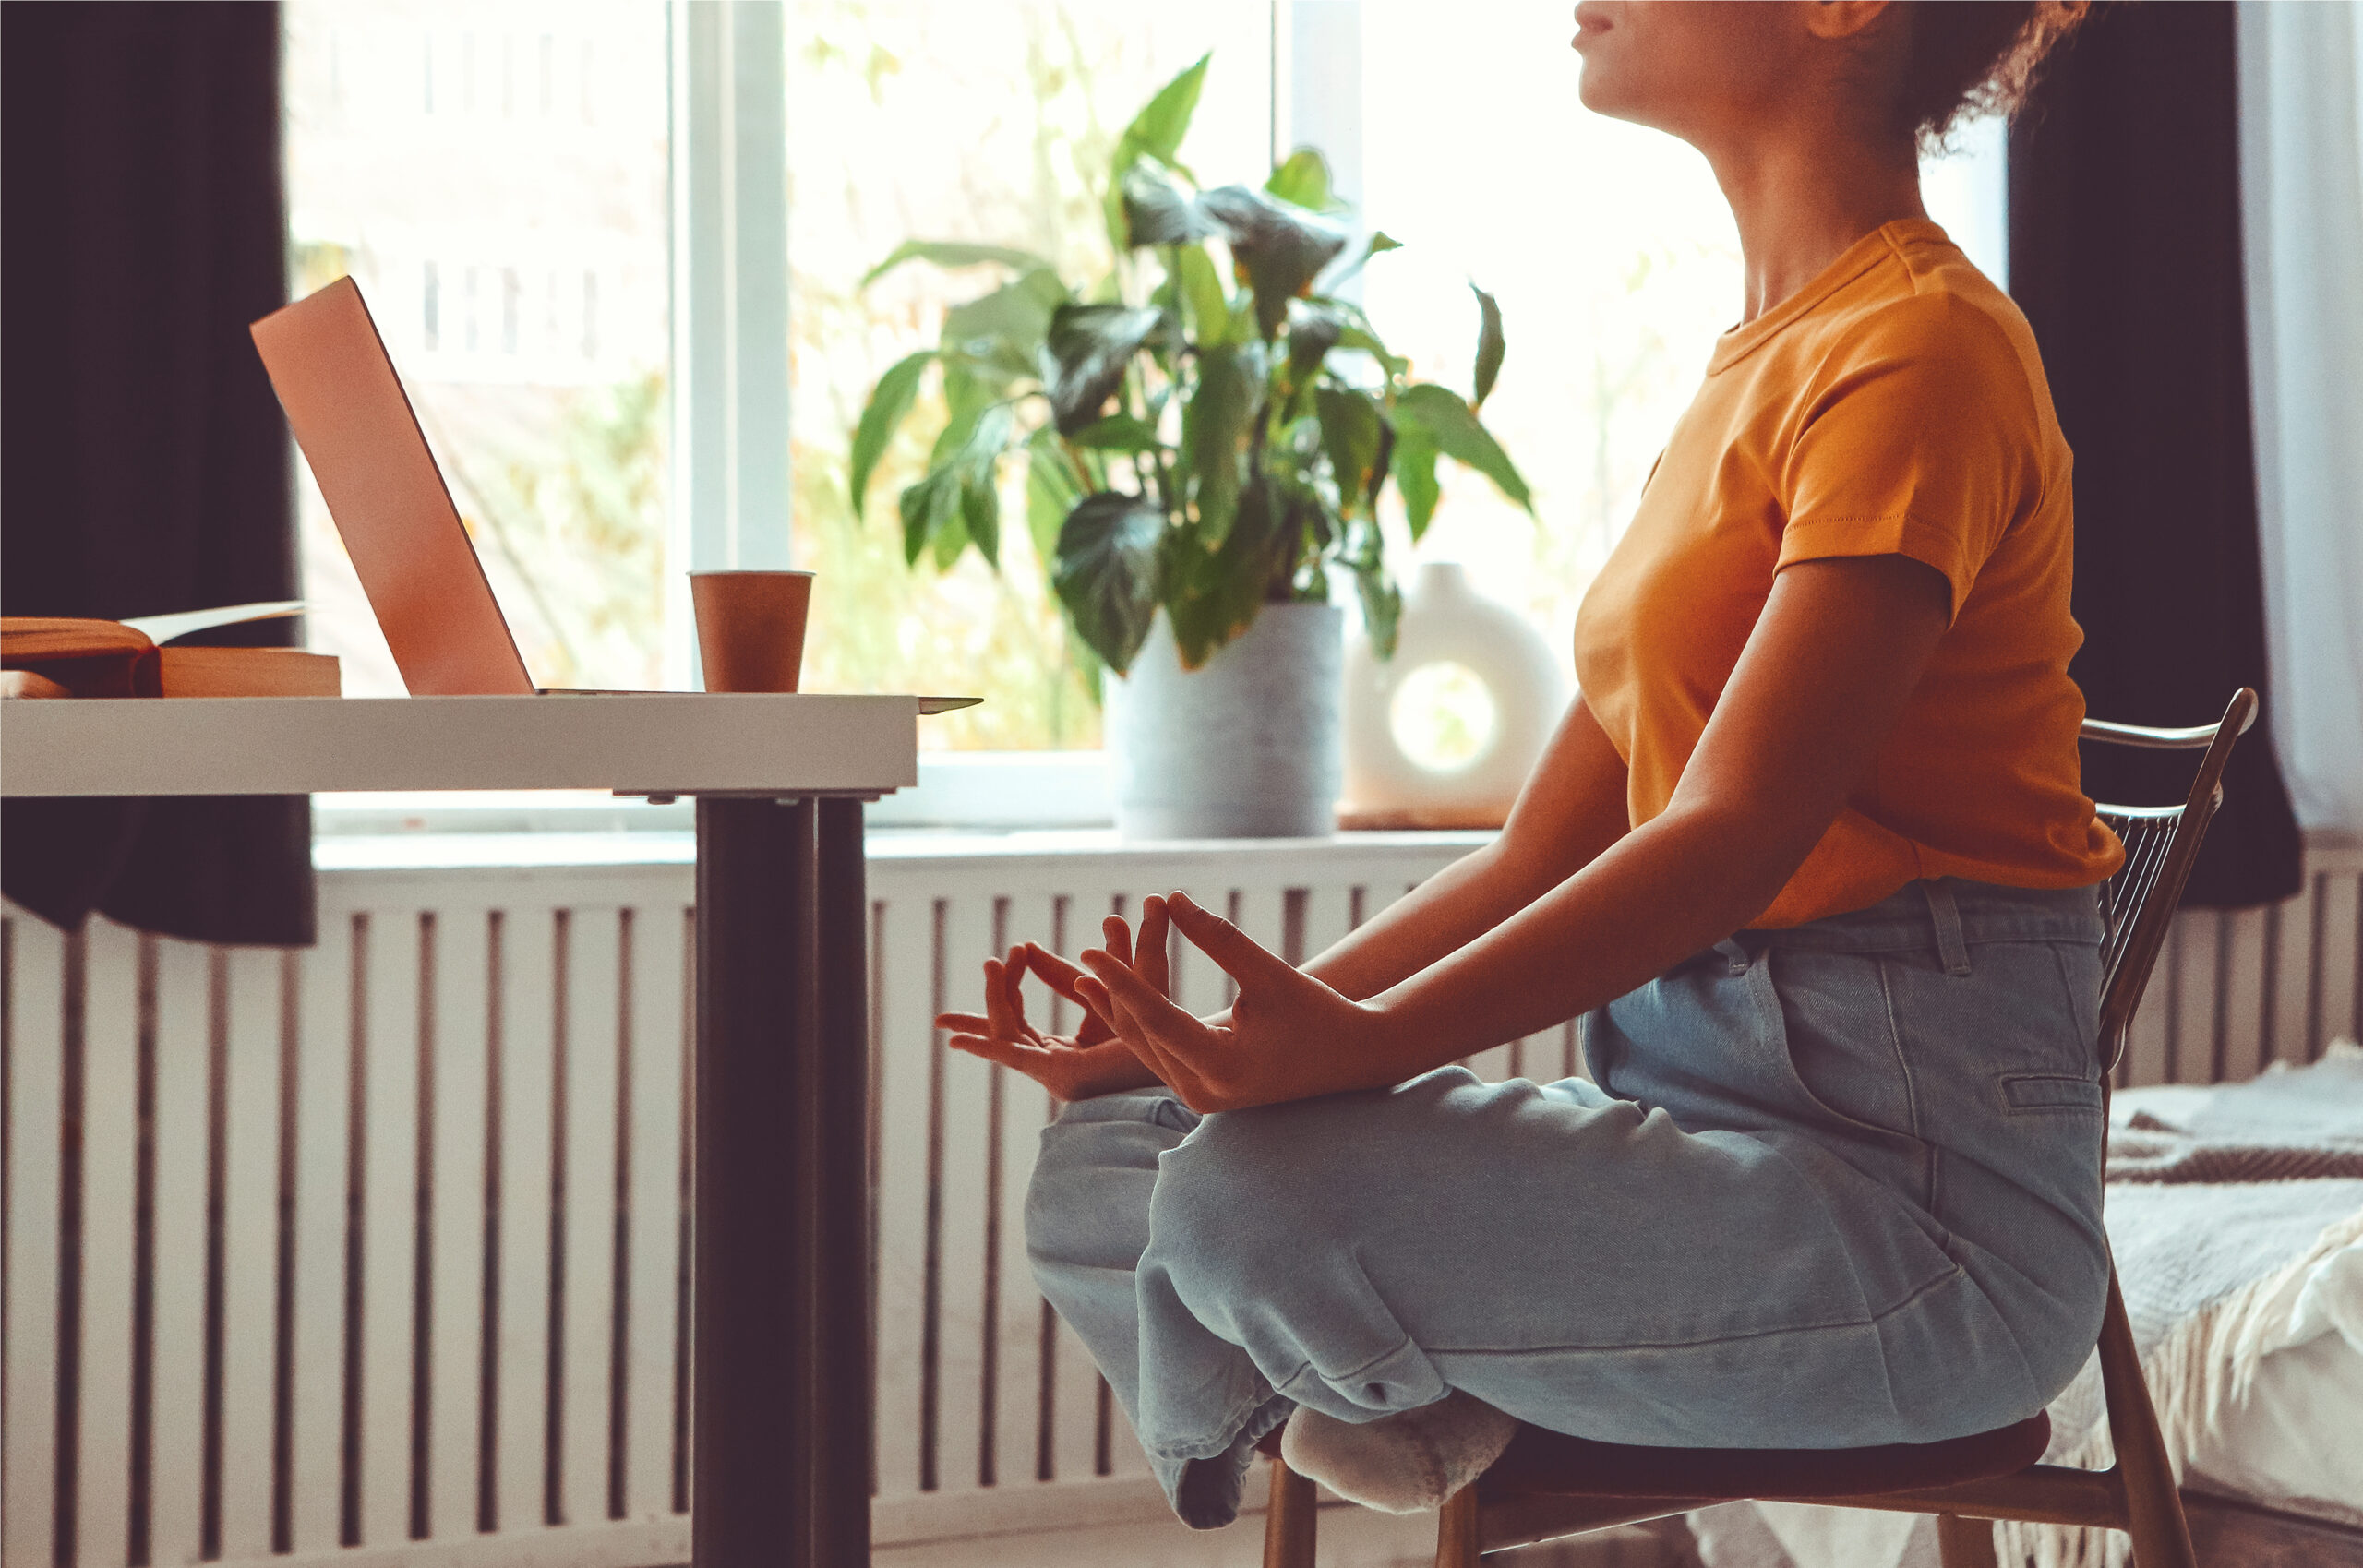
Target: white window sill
(992,790)
(944,847)
(968,807)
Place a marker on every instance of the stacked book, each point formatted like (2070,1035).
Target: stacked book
(48,656)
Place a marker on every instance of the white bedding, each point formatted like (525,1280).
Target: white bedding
(2293,1436)
(2284,1429)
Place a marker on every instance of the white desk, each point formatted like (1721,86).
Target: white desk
(782,1393)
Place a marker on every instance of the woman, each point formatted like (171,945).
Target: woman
(1809,855)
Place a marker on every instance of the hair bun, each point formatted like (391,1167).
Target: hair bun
(1965,61)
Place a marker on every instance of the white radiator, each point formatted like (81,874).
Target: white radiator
(380,1245)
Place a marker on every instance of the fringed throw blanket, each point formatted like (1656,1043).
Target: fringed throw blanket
(2235,1214)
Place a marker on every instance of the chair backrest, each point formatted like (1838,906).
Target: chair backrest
(2161,845)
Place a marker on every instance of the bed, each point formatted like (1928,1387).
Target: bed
(2236,1212)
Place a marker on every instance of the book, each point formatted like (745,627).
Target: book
(53,656)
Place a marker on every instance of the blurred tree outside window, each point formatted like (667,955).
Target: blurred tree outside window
(495,177)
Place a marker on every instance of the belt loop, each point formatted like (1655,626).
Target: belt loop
(1950,946)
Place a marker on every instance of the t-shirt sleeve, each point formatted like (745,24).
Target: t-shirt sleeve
(1924,442)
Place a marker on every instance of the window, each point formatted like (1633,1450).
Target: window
(1611,250)
(520,189)
(495,178)
(987,121)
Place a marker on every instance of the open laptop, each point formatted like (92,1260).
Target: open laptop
(362,437)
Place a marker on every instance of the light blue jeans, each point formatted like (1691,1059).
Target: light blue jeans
(1830,1186)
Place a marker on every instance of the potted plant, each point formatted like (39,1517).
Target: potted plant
(1206,432)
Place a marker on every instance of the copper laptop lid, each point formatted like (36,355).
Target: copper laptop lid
(360,435)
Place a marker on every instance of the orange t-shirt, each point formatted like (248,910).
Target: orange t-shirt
(1895,405)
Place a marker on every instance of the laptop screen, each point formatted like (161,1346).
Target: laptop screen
(357,430)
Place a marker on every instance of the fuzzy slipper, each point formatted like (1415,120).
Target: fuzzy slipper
(1404,1463)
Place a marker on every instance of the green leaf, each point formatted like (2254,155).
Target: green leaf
(1302,180)
(1360,334)
(1415,476)
(1156,133)
(952,253)
(1491,346)
(1353,433)
(1448,422)
(980,511)
(1202,292)
(1314,331)
(1381,242)
(1051,491)
(1214,425)
(1089,346)
(1158,128)
(1117,432)
(956,502)
(973,442)
(927,507)
(1213,595)
(1278,248)
(1003,332)
(1107,572)
(1157,211)
(890,402)
(1382,603)
(951,538)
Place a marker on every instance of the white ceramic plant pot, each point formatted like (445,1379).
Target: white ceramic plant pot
(1447,622)
(1246,747)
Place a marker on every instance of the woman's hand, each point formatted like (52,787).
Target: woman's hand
(1288,1037)
(1092,1063)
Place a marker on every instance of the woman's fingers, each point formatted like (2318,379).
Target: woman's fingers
(964,1024)
(1013,984)
(1231,949)
(1154,952)
(1116,936)
(984,1046)
(1145,1009)
(1093,996)
(1126,1028)
(1032,1060)
(1052,970)
(1000,1024)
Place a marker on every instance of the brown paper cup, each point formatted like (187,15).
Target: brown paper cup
(751,627)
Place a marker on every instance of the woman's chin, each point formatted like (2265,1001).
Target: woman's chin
(1597,91)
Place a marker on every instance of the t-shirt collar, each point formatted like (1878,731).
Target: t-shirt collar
(1852,263)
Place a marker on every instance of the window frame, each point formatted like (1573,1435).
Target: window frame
(731,306)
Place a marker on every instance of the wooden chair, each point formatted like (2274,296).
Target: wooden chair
(1547,1485)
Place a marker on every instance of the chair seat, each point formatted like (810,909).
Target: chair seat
(1548,1463)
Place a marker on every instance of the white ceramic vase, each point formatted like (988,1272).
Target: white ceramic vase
(1246,747)
(1447,622)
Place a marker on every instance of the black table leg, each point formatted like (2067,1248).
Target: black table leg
(845,1372)
(755,1332)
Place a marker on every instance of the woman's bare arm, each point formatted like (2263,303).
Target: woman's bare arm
(1837,653)
(1571,809)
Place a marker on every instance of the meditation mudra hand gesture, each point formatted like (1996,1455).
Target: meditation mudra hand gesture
(1094,1060)
(1133,1034)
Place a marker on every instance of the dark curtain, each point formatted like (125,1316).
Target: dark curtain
(146,462)
(2125,253)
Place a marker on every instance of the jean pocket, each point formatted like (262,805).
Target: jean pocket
(1833,1042)
(2049,1091)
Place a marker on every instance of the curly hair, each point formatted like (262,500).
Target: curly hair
(1968,58)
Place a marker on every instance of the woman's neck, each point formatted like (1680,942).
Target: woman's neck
(1800,200)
